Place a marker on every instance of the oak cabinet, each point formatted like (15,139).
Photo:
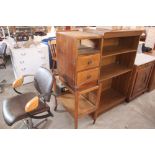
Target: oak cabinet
(140,79)
(96,67)
(152,80)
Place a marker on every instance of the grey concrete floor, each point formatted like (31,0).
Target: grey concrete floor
(138,114)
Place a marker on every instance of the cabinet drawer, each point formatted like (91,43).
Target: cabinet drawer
(87,76)
(87,62)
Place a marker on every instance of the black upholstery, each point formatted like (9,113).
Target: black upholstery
(43,82)
(14,107)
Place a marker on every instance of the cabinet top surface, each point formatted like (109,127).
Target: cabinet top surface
(30,49)
(143,59)
(106,31)
(80,35)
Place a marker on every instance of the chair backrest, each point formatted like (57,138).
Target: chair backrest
(3,49)
(43,82)
(52,46)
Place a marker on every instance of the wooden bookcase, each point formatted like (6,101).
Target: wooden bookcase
(99,65)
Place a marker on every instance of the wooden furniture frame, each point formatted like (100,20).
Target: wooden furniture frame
(140,80)
(96,65)
(152,80)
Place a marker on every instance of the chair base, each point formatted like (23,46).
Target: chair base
(30,125)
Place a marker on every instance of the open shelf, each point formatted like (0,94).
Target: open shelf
(83,50)
(85,106)
(88,46)
(113,70)
(117,52)
(109,99)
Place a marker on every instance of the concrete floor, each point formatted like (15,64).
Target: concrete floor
(138,114)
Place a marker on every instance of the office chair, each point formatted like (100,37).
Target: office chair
(3,61)
(27,106)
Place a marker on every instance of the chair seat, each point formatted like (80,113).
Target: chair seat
(14,108)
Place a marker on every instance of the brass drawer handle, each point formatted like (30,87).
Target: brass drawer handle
(89,62)
(88,76)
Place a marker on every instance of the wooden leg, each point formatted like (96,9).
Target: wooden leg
(76,110)
(97,102)
(56,103)
(54,86)
(53,65)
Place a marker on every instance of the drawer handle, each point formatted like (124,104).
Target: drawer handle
(88,76)
(90,62)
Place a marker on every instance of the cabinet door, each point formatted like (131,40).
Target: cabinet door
(142,79)
(152,81)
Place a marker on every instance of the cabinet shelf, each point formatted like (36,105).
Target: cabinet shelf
(113,70)
(85,106)
(109,99)
(87,50)
(107,53)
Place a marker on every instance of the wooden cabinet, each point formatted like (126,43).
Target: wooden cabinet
(95,66)
(78,59)
(140,78)
(152,80)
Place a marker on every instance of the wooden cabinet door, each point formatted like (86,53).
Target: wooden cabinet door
(142,79)
(152,81)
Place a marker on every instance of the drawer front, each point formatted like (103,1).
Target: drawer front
(87,62)
(87,76)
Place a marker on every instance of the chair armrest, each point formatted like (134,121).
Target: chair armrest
(19,82)
(32,104)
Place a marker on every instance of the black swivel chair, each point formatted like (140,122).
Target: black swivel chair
(27,106)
